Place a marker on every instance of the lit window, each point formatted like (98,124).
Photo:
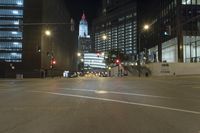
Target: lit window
(184,2)
(16,23)
(19,3)
(15,43)
(15,12)
(14,32)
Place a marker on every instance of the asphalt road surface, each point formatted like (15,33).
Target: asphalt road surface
(101,105)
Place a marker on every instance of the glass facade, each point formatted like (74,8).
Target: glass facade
(170,51)
(11,35)
(91,60)
(191,49)
(122,36)
(191,2)
(180,20)
(116,28)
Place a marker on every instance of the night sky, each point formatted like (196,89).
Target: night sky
(92,8)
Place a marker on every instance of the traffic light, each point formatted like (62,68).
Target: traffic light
(53,62)
(117,61)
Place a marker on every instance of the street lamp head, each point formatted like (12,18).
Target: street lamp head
(48,32)
(104,37)
(78,54)
(146,27)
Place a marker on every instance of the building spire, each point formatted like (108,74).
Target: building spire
(83,16)
(83,26)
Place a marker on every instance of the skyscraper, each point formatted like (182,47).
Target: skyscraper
(84,41)
(88,59)
(83,27)
(11,35)
(116,27)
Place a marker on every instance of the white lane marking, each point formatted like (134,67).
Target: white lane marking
(124,102)
(119,93)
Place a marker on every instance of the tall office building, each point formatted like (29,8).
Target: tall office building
(116,27)
(84,40)
(11,35)
(83,27)
(90,61)
(24,45)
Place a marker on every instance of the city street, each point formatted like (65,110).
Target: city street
(101,105)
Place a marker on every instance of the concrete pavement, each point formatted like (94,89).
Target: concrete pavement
(101,105)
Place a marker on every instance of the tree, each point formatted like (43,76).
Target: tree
(114,55)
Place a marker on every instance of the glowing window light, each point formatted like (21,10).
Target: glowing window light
(13,54)
(16,23)
(15,43)
(19,3)
(15,12)
(186,2)
(14,32)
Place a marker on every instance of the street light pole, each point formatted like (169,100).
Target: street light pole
(145,28)
(139,41)
(79,61)
(48,33)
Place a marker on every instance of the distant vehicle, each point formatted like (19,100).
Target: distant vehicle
(65,74)
(81,74)
(103,74)
(72,74)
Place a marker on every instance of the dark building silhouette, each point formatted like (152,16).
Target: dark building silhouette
(31,51)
